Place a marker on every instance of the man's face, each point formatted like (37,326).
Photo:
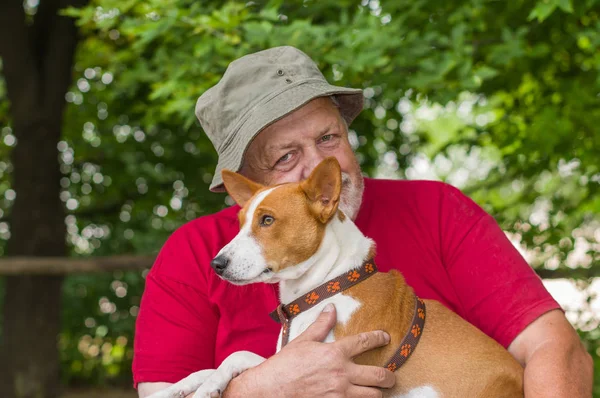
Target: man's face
(289,149)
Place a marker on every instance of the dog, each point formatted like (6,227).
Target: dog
(294,234)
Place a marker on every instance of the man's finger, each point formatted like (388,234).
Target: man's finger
(321,327)
(371,376)
(359,343)
(363,392)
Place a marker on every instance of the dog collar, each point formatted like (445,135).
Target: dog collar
(285,313)
(410,341)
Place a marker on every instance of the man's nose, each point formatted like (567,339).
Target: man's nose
(219,264)
(311,162)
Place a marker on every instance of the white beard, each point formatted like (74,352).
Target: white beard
(351,197)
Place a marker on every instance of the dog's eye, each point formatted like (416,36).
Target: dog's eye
(266,220)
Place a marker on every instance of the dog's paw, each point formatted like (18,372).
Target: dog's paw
(216,384)
(231,367)
(210,389)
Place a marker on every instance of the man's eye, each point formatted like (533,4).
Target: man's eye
(266,221)
(284,158)
(328,138)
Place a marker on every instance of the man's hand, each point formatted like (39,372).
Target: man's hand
(306,367)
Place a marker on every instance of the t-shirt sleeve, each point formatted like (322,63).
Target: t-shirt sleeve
(498,291)
(176,326)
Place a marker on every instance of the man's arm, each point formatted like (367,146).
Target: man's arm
(147,389)
(556,363)
(308,367)
(501,295)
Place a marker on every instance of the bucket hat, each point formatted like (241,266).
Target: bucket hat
(255,91)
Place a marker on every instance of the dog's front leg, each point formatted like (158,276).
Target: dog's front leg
(232,366)
(186,386)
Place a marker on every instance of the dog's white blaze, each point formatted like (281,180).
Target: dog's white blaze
(345,306)
(420,392)
(252,209)
(246,260)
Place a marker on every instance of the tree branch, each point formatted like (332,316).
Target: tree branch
(76,265)
(72,265)
(568,273)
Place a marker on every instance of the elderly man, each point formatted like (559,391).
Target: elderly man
(274,117)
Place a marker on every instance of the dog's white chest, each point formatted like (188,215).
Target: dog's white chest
(345,306)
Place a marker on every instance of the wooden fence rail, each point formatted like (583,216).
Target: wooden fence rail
(72,265)
(78,265)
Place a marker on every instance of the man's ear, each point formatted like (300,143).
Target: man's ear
(239,187)
(323,188)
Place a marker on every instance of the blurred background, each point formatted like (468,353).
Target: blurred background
(101,157)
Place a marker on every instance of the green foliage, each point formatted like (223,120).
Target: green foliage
(498,98)
(96,344)
(544,9)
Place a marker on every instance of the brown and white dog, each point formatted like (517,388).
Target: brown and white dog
(295,235)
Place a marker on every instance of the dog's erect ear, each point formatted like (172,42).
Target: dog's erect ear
(323,188)
(239,187)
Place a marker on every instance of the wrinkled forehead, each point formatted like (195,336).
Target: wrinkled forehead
(282,199)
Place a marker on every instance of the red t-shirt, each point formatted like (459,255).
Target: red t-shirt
(445,245)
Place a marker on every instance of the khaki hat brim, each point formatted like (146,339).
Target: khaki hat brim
(276,107)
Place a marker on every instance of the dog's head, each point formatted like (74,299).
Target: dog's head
(281,227)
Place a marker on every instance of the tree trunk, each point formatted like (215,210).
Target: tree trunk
(30,362)
(37,66)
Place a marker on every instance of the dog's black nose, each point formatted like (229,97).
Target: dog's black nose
(219,264)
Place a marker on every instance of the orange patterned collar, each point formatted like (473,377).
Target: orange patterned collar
(285,313)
